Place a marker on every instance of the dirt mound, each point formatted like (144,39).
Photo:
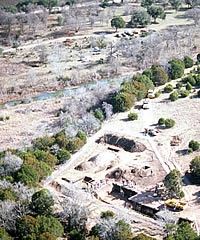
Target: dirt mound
(127,144)
(98,162)
(129,173)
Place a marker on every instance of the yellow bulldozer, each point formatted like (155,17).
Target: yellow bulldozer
(175,204)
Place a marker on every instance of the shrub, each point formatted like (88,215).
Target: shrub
(194,145)
(198,93)
(27,225)
(161,121)
(47,236)
(188,62)
(44,143)
(62,156)
(188,86)
(82,136)
(42,203)
(46,157)
(60,20)
(197,79)
(173,96)
(184,93)
(122,102)
(198,67)
(1,118)
(157,94)
(132,116)
(177,68)
(75,235)
(198,58)
(143,236)
(159,76)
(190,79)
(195,167)
(169,123)
(190,150)
(148,73)
(179,85)
(74,145)
(7,117)
(50,225)
(169,88)
(4,235)
(107,214)
(61,139)
(28,175)
(98,114)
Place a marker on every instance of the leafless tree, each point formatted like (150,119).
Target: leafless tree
(10,164)
(194,14)
(8,216)
(108,109)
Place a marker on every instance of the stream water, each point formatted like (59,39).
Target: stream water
(71,91)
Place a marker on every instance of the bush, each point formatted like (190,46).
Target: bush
(148,73)
(198,58)
(188,86)
(190,79)
(28,175)
(198,93)
(107,214)
(194,145)
(169,88)
(159,76)
(143,236)
(63,156)
(44,143)
(4,235)
(179,85)
(169,123)
(197,79)
(195,167)
(190,150)
(60,20)
(47,236)
(74,145)
(198,67)
(184,93)
(132,116)
(75,235)
(157,94)
(61,139)
(122,102)
(42,203)
(188,62)
(50,225)
(46,157)
(177,68)
(173,96)
(98,114)
(82,136)
(161,121)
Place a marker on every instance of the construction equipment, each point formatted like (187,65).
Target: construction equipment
(150,94)
(175,204)
(145,104)
(176,140)
(151,132)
